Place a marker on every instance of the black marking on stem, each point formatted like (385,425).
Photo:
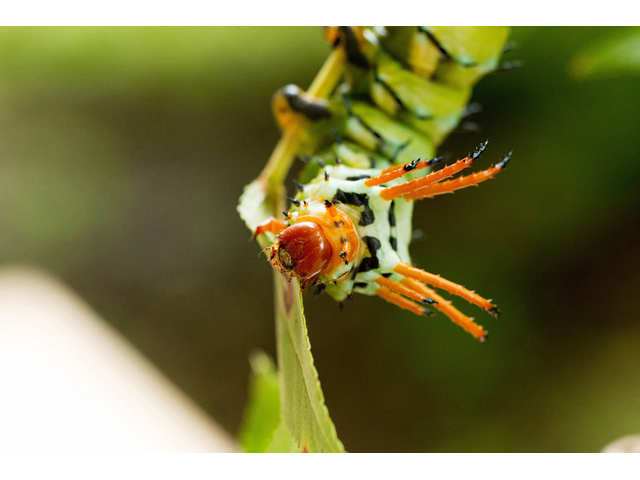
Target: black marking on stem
(320,162)
(294,201)
(326,176)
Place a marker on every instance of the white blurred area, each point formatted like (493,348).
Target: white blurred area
(71,383)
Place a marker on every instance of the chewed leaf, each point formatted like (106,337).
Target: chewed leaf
(262,415)
(304,412)
(614,56)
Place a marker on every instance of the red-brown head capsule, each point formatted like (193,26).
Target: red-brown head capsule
(303,250)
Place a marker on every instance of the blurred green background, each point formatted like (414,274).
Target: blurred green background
(122,156)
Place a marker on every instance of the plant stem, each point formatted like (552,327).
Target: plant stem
(283,154)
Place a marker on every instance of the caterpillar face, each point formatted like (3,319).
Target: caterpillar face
(302,250)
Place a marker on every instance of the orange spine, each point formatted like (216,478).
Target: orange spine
(448,309)
(396,171)
(439,282)
(452,185)
(402,290)
(391,297)
(398,190)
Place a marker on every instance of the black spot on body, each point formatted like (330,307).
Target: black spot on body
(386,275)
(367,217)
(357,200)
(392,214)
(358,177)
(360,285)
(372,262)
(369,263)
(351,198)
(394,243)
(373,244)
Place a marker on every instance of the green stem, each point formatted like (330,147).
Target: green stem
(280,161)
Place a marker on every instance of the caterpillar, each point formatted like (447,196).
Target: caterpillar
(367,148)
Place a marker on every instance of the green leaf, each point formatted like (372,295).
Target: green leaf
(611,57)
(302,407)
(304,411)
(262,416)
(282,441)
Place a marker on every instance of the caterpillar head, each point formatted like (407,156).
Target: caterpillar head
(302,250)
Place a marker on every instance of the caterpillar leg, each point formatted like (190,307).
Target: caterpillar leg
(400,301)
(453,288)
(448,309)
(451,186)
(395,172)
(403,290)
(272,225)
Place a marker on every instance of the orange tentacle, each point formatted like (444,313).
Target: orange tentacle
(272,225)
(448,309)
(398,190)
(439,282)
(452,185)
(396,171)
(402,290)
(391,297)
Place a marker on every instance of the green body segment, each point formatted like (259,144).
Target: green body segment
(404,92)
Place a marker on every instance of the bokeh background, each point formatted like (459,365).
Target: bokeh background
(123,152)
